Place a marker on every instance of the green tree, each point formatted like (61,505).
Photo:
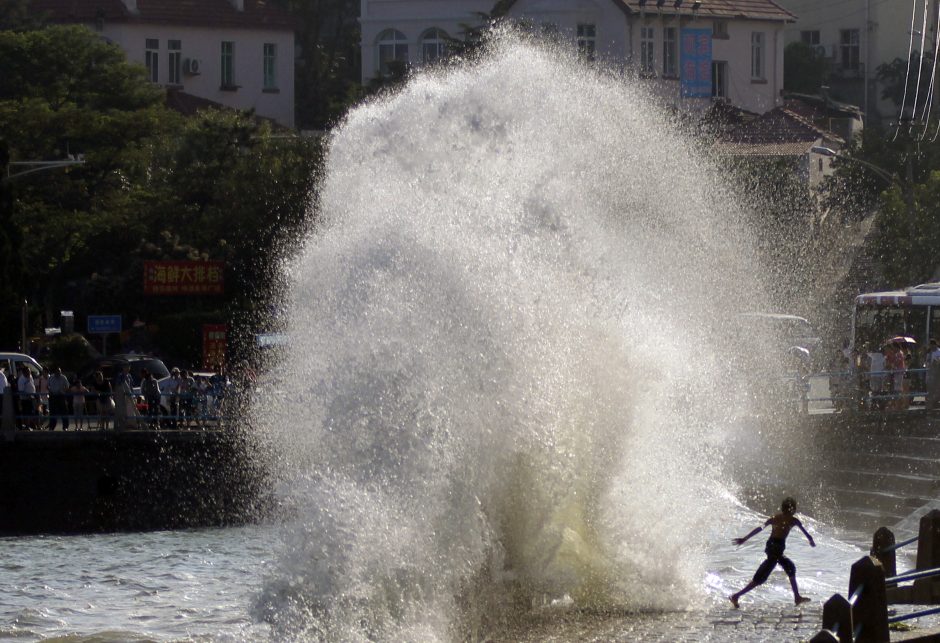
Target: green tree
(804,69)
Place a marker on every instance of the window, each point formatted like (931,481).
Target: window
(849,46)
(392,51)
(670,49)
(152,59)
(174,61)
(720,29)
(228,64)
(719,79)
(757,55)
(810,38)
(587,41)
(433,46)
(269,64)
(647,57)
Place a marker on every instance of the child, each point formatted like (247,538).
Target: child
(781,523)
(78,391)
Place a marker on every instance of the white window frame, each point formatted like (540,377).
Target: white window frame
(850,49)
(152,59)
(174,59)
(269,65)
(433,46)
(390,46)
(587,40)
(670,52)
(758,55)
(647,50)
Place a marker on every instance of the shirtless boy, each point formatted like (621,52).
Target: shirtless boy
(781,524)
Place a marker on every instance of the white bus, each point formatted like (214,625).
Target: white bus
(913,312)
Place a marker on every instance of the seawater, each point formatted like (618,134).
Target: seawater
(504,399)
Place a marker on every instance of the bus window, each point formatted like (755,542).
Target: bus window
(934,323)
(875,324)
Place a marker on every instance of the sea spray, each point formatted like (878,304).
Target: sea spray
(502,386)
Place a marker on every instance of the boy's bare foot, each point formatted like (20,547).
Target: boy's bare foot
(734,600)
(799,600)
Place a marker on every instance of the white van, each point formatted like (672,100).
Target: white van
(10,364)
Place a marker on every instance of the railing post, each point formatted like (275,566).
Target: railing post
(881,541)
(8,415)
(120,409)
(837,619)
(927,590)
(825,636)
(871,609)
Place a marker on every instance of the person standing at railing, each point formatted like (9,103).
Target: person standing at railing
(151,392)
(781,523)
(932,364)
(58,404)
(3,388)
(896,365)
(26,389)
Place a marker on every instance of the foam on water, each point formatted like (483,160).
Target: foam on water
(502,387)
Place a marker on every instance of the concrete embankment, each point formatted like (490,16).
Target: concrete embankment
(91,481)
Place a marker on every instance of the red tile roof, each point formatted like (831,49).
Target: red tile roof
(260,14)
(779,132)
(746,9)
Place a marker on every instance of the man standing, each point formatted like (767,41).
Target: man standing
(932,364)
(58,404)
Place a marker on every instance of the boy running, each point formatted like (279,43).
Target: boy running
(781,523)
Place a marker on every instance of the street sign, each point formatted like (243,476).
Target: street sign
(104,324)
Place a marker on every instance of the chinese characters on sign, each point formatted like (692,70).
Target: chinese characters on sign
(696,63)
(214,343)
(183,278)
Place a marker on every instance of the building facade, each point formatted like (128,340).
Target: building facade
(691,51)
(237,53)
(858,36)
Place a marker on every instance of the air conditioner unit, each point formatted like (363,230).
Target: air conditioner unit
(191,66)
(820,50)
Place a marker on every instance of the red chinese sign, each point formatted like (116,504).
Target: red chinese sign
(183,278)
(214,343)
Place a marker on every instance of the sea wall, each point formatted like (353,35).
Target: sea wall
(95,481)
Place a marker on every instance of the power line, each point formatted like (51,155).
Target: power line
(928,105)
(910,50)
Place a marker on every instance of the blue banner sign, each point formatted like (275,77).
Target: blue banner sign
(696,63)
(104,323)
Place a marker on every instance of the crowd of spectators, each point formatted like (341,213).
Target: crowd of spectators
(185,399)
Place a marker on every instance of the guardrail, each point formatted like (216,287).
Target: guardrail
(863,618)
(112,411)
(852,391)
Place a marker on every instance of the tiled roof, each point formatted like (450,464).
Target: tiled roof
(259,14)
(743,9)
(778,126)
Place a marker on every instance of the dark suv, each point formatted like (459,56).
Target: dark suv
(110,366)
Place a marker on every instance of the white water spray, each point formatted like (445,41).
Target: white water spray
(502,387)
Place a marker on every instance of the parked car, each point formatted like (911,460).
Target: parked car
(112,365)
(11,362)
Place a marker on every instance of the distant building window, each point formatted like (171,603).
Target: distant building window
(757,55)
(433,46)
(587,41)
(152,59)
(392,50)
(647,53)
(670,52)
(809,37)
(269,63)
(174,61)
(719,29)
(849,45)
(228,64)
(719,79)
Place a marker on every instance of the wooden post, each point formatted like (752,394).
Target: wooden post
(871,608)
(837,619)
(927,590)
(882,539)
(8,416)
(120,409)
